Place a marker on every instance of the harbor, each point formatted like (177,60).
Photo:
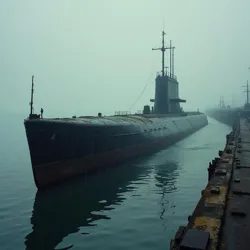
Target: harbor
(114,209)
(124,125)
(220,220)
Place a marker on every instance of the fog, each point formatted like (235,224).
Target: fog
(91,56)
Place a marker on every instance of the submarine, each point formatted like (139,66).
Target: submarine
(61,148)
(227,114)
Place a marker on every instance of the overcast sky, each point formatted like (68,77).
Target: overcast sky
(91,56)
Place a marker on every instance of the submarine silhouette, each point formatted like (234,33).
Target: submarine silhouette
(61,148)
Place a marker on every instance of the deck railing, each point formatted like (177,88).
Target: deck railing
(122,113)
(158,74)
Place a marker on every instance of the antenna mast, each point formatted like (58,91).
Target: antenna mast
(163,49)
(32,93)
(173,60)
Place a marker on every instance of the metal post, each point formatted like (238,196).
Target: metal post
(32,93)
(173,61)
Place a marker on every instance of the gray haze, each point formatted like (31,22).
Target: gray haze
(95,56)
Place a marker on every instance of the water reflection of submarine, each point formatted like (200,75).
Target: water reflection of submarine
(62,211)
(165,176)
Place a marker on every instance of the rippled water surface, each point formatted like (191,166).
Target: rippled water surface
(137,205)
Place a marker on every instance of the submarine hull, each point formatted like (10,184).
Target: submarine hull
(63,148)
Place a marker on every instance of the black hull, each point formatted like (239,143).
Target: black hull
(63,148)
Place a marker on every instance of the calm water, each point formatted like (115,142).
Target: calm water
(138,205)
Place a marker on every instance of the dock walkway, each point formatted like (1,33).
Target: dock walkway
(221,219)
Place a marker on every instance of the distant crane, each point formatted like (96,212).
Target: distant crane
(247,91)
(222,103)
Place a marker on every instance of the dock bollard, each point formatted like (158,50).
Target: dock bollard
(212,166)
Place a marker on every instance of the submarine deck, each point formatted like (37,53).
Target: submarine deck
(119,118)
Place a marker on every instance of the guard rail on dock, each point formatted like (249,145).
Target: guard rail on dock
(221,219)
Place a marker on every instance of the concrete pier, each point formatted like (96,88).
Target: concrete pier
(221,219)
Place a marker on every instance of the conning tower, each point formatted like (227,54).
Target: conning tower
(166,85)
